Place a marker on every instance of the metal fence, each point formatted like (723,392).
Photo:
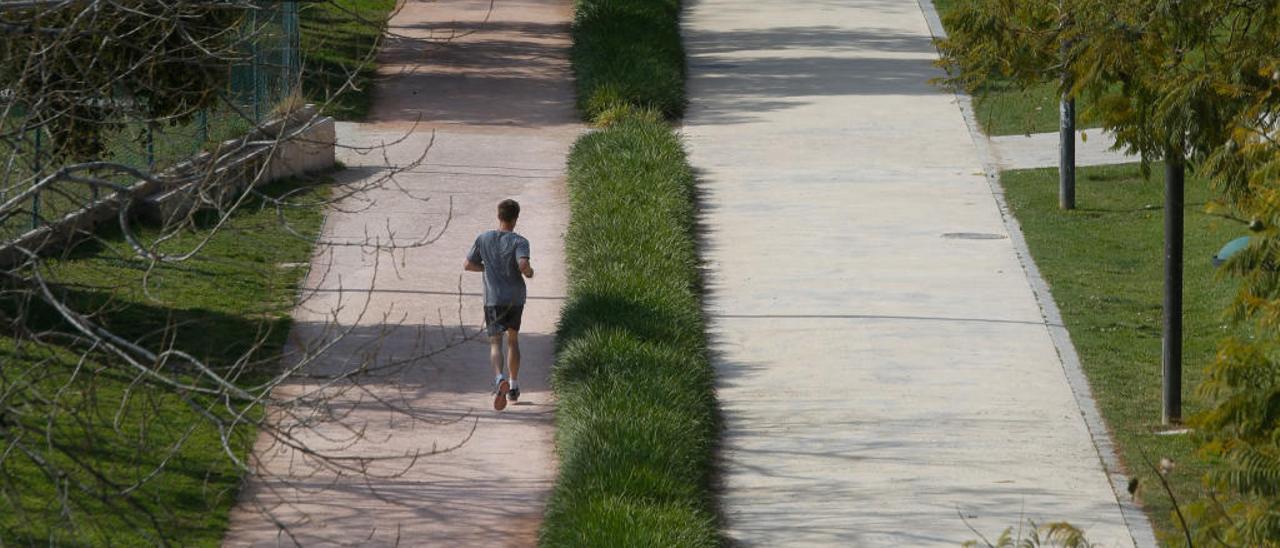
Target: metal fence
(273,43)
(269,74)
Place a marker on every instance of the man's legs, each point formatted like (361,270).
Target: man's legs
(501,386)
(513,355)
(496,322)
(495,354)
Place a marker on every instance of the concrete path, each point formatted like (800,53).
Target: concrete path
(496,109)
(1093,148)
(886,374)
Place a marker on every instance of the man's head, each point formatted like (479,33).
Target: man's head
(508,212)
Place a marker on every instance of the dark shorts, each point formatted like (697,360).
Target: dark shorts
(501,318)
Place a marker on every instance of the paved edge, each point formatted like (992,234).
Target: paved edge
(1134,517)
(1010,151)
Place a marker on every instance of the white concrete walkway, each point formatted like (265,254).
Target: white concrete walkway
(1093,148)
(885,371)
(493,110)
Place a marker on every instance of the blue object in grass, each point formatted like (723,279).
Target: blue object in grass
(1232,247)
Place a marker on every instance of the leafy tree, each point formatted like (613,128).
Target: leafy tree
(1139,62)
(1193,79)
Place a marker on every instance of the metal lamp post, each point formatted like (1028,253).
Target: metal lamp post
(1171,348)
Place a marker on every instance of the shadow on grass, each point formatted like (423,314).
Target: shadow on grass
(92,413)
(104,427)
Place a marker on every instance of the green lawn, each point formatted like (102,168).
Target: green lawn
(339,37)
(237,292)
(1002,109)
(88,417)
(1104,263)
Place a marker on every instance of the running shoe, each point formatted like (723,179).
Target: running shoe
(500,395)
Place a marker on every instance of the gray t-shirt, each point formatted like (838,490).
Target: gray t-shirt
(498,252)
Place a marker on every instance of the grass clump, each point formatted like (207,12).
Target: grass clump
(1105,265)
(636,421)
(628,52)
(90,416)
(339,39)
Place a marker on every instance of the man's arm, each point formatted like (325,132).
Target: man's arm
(522,258)
(473,262)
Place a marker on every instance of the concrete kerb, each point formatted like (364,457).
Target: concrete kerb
(1135,519)
(301,142)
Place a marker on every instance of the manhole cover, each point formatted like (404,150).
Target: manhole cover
(973,236)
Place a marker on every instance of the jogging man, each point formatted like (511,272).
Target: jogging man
(503,257)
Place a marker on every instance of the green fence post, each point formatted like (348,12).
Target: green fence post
(203,122)
(151,147)
(35,201)
(284,46)
(293,46)
(253,52)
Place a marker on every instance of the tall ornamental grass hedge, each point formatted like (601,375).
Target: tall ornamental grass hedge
(628,52)
(637,415)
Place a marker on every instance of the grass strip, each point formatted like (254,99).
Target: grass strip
(636,419)
(338,39)
(628,52)
(1104,263)
(239,291)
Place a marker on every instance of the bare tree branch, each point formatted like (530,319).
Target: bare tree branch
(100,84)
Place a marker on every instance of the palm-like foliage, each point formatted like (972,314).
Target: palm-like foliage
(1198,79)
(1051,535)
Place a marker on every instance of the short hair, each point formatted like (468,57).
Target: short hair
(508,210)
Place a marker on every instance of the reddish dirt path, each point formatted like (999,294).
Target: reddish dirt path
(499,100)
